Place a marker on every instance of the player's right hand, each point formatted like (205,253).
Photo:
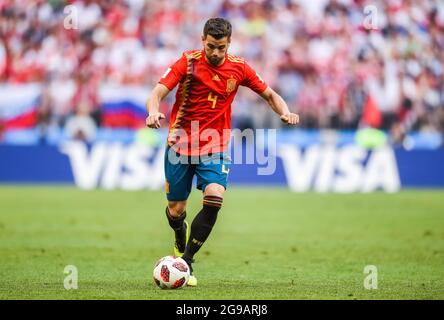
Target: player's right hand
(153,120)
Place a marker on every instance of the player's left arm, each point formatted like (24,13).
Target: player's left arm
(258,85)
(279,106)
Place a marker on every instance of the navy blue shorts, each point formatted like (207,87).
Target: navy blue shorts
(180,170)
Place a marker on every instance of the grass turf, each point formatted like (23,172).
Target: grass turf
(267,244)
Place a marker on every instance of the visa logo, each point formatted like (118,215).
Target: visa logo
(114,166)
(332,169)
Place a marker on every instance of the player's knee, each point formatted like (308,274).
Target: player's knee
(176,208)
(213,197)
(214,189)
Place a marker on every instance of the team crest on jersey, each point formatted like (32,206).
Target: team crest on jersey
(231,85)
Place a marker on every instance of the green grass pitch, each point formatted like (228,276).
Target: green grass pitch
(267,244)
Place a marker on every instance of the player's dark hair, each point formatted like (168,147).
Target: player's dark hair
(217,28)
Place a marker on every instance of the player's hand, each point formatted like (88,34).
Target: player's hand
(153,120)
(290,118)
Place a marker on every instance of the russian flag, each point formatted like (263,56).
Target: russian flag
(123,107)
(18,105)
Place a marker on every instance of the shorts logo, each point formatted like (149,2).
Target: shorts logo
(231,85)
(167,187)
(225,170)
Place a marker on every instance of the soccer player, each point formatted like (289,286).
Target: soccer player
(208,81)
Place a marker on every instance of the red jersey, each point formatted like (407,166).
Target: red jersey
(203,100)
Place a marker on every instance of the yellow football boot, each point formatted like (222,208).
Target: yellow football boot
(192,281)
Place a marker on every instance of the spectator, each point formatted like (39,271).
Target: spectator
(323,61)
(81,125)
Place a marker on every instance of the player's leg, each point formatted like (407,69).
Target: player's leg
(212,180)
(176,214)
(179,176)
(205,220)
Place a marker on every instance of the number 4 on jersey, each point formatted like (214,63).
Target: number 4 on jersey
(213,99)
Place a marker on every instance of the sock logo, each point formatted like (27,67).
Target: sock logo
(199,243)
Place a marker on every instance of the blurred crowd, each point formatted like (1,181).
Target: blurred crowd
(341,64)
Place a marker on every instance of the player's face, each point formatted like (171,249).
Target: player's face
(215,49)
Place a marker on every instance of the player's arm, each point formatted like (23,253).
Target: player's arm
(255,83)
(159,92)
(167,83)
(279,106)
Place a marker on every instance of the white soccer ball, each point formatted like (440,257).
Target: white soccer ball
(171,272)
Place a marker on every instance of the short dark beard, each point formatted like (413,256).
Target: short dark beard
(211,60)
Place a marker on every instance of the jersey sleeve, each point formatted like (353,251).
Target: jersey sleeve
(252,80)
(174,73)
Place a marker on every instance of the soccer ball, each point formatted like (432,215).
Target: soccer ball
(171,272)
